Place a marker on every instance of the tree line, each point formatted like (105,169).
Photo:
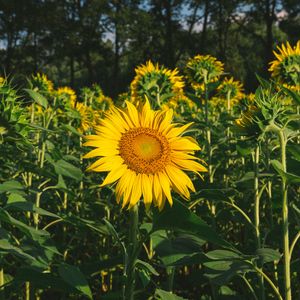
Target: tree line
(80,42)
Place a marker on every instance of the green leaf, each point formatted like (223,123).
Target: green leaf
(221,272)
(73,276)
(177,249)
(28,230)
(290,178)
(37,97)
(223,255)
(70,128)
(9,248)
(84,223)
(294,150)
(40,280)
(64,168)
(243,149)
(268,255)
(146,266)
(250,176)
(164,295)
(144,276)
(11,187)
(179,217)
(16,201)
(294,95)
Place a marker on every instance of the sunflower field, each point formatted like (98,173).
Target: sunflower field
(184,187)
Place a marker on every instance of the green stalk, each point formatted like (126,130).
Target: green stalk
(2,282)
(256,215)
(132,255)
(171,276)
(274,288)
(250,287)
(285,221)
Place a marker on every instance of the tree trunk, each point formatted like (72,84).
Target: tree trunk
(205,21)
(270,18)
(169,34)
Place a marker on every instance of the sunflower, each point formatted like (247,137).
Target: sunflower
(145,153)
(67,95)
(231,91)
(230,88)
(2,80)
(181,106)
(202,69)
(88,117)
(155,82)
(42,82)
(103,103)
(247,124)
(286,68)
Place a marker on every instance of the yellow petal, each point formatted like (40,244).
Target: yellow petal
(165,184)
(129,186)
(184,143)
(180,180)
(177,131)
(105,164)
(101,152)
(157,190)
(114,175)
(147,183)
(190,165)
(133,113)
(136,192)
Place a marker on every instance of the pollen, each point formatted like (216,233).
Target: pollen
(144,150)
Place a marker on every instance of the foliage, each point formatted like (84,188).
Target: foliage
(64,237)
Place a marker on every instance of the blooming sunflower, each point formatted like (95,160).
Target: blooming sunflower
(202,69)
(155,82)
(145,153)
(286,68)
(42,82)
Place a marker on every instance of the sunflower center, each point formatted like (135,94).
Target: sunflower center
(144,150)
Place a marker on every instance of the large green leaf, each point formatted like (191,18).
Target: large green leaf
(11,186)
(7,247)
(17,202)
(221,272)
(73,276)
(37,97)
(28,230)
(268,255)
(290,178)
(178,248)
(223,255)
(294,150)
(41,280)
(179,217)
(164,295)
(65,168)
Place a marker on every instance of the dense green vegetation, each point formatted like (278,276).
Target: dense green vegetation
(172,221)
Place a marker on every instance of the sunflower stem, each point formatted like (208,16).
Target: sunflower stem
(256,215)
(132,256)
(285,222)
